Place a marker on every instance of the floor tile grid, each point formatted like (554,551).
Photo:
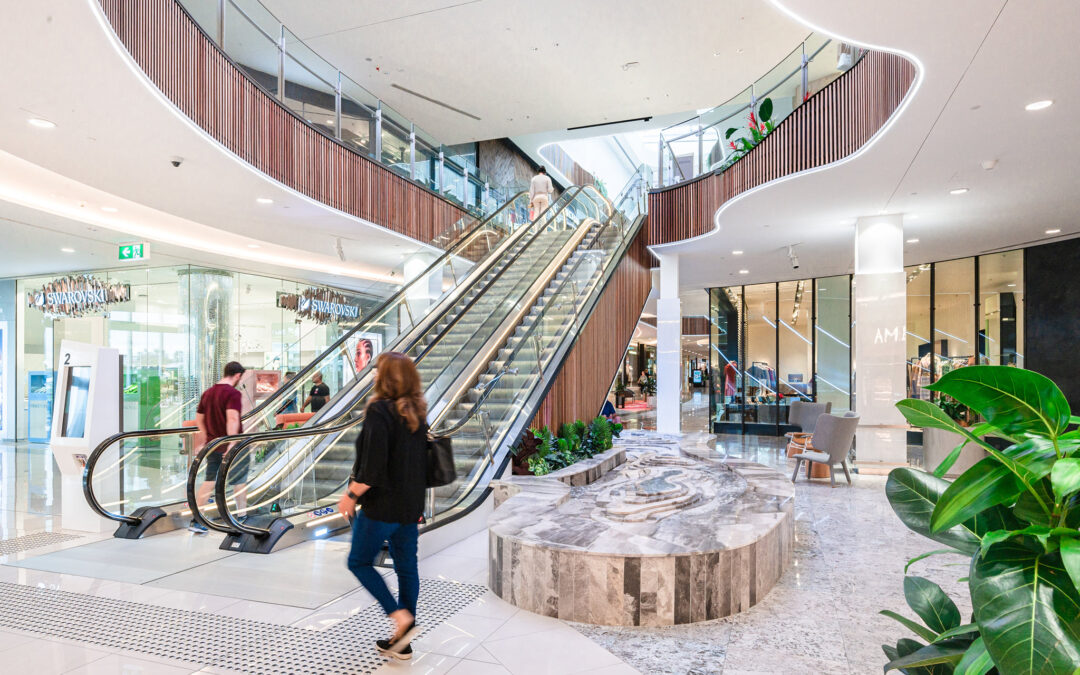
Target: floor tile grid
(238,644)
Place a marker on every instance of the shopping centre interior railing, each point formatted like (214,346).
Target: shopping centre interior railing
(328,100)
(717,138)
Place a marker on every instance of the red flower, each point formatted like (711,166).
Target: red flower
(763,128)
(733,145)
(753,119)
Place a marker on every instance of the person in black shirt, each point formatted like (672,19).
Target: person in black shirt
(388,482)
(319,395)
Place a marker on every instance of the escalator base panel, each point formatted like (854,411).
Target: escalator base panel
(250,543)
(147,515)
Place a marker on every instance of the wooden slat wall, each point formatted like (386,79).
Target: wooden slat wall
(583,382)
(695,325)
(831,125)
(211,90)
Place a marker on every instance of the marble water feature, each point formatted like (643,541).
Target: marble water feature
(657,531)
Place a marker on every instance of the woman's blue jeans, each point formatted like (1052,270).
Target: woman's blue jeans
(367,539)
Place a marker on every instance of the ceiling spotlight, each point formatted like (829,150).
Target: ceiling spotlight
(958,191)
(67,250)
(988,164)
(264,200)
(1039,105)
(1011,285)
(744,271)
(793,257)
(736,253)
(1054,231)
(109,209)
(913,241)
(40,123)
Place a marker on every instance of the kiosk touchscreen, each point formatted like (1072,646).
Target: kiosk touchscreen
(86,412)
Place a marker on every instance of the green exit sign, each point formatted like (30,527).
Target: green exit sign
(134,251)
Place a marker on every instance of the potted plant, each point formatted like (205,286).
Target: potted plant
(1012,516)
(621,392)
(648,389)
(938,443)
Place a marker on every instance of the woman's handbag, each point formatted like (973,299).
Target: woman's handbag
(440,461)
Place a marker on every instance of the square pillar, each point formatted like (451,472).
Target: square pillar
(880,308)
(669,348)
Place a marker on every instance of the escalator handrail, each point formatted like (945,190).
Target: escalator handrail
(541,223)
(489,456)
(98,451)
(536,234)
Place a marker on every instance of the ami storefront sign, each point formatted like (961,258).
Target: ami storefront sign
(77,295)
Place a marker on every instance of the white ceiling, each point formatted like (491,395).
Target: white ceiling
(114,138)
(525,67)
(982,61)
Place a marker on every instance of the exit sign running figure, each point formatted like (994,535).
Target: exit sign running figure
(134,252)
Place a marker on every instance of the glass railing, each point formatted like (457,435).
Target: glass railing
(328,100)
(151,466)
(485,424)
(717,138)
(289,472)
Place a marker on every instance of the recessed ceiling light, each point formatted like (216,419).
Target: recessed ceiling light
(67,250)
(913,241)
(264,200)
(958,191)
(253,246)
(330,122)
(1054,231)
(40,123)
(1039,105)
(1012,285)
(109,209)
(744,271)
(736,253)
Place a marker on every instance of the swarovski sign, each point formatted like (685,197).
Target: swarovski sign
(320,304)
(77,295)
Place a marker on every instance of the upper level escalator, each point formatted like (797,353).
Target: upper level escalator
(484,376)
(149,467)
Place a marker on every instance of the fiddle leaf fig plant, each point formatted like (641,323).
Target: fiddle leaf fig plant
(1013,515)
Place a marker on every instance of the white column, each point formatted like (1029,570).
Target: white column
(880,308)
(668,348)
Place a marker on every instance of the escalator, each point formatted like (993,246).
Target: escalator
(143,473)
(486,370)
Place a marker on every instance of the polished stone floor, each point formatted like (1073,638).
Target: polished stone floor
(820,618)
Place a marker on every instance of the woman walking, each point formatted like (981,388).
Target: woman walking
(388,483)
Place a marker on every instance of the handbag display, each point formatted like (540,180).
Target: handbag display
(440,461)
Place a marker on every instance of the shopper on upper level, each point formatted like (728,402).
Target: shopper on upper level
(540,189)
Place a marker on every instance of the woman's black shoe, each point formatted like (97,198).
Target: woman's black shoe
(384,647)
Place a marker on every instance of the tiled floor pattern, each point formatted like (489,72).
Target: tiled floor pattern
(243,645)
(34,540)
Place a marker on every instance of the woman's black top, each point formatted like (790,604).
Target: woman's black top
(393,461)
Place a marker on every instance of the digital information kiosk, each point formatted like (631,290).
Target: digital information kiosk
(86,412)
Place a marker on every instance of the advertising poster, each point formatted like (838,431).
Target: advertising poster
(362,350)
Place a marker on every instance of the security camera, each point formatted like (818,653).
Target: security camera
(793,257)
(176,161)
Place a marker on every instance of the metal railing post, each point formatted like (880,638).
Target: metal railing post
(805,74)
(465,197)
(221,24)
(281,63)
(337,107)
(412,152)
(660,161)
(487,196)
(700,150)
(378,133)
(442,175)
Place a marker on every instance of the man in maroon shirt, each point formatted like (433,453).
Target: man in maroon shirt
(218,415)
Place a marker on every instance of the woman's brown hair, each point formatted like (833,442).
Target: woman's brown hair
(397,380)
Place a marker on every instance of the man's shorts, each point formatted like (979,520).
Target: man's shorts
(237,472)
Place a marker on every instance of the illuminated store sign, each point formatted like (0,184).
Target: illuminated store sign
(320,304)
(77,295)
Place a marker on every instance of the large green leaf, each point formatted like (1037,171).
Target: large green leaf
(1070,557)
(1065,477)
(926,599)
(921,413)
(947,652)
(920,630)
(986,484)
(1028,610)
(913,494)
(976,660)
(765,110)
(1017,401)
